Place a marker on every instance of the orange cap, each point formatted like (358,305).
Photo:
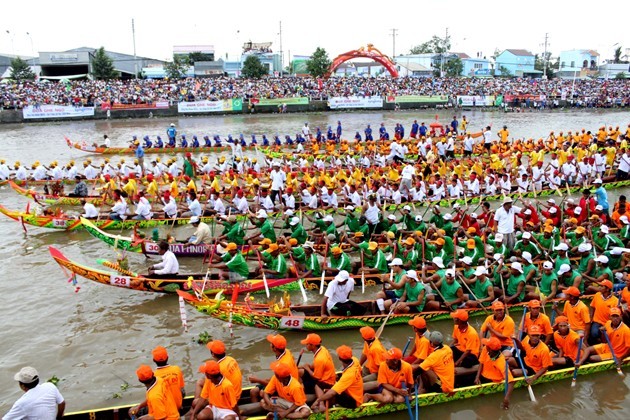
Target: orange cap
(313,339)
(144,373)
(561,319)
(393,354)
(606,283)
(497,305)
(211,368)
(367,333)
(280,369)
(471,230)
(534,330)
(492,343)
(278,341)
(216,347)
(470,244)
(460,314)
(231,246)
(439,241)
(293,241)
(272,247)
(418,322)
(336,250)
(265,241)
(533,304)
(344,352)
(615,311)
(159,354)
(572,291)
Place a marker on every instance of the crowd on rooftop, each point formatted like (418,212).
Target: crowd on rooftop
(588,92)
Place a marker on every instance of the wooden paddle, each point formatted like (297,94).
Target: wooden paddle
(612,351)
(577,360)
(532,397)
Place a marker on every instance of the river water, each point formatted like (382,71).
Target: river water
(94,339)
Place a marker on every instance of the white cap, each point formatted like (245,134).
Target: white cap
(498,256)
(527,257)
(407,208)
(527,235)
(553,210)
(349,207)
(26,375)
(517,266)
(552,201)
(391,217)
(597,181)
(564,268)
(507,200)
(467,260)
(570,201)
(527,212)
(450,272)
(342,275)
(395,261)
(438,261)
(625,220)
(619,276)
(262,214)
(578,210)
(498,237)
(289,212)
(616,251)
(561,247)
(328,218)
(418,218)
(172,125)
(481,270)
(602,259)
(599,207)
(193,219)
(473,215)
(294,221)
(448,216)
(309,244)
(548,265)
(585,247)
(604,229)
(412,274)
(456,205)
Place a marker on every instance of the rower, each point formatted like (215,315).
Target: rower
(566,341)
(158,400)
(276,267)
(321,372)
(283,355)
(414,293)
(348,390)
(600,309)
(119,209)
(202,232)
(91,212)
(482,288)
(217,399)
(337,297)
(291,400)
(395,377)
(535,317)
(493,367)
(537,358)
(387,297)
(499,325)
(169,266)
(437,371)
(233,265)
(466,342)
(619,336)
(80,189)
(373,354)
(171,375)
(451,293)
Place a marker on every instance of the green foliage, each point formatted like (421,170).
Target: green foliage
(203,338)
(617,58)
(504,71)
(177,68)
(253,68)
(436,45)
(453,67)
(621,75)
(319,64)
(20,70)
(54,380)
(199,56)
(103,66)
(544,61)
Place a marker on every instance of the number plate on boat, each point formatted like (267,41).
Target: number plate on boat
(292,322)
(60,223)
(120,281)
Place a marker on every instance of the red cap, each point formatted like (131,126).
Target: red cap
(188,154)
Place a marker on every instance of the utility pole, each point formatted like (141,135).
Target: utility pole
(281,52)
(394,43)
(545,57)
(135,59)
(444,48)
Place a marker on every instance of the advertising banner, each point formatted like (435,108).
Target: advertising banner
(279,101)
(210,106)
(355,102)
(416,99)
(155,105)
(56,111)
(475,100)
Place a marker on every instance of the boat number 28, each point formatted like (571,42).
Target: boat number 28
(120,281)
(292,322)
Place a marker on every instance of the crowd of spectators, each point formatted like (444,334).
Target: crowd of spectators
(590,92)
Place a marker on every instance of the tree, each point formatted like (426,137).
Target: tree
(20,70)
(542,62)
(103,66)
(319,64)
(504,71)
(453,67)
(617,58)
(177,68)
(621,75)
(199,56)
(253,68)
(435,45)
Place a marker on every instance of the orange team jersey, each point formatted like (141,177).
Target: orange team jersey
(467,340)
(323,366)
(577,314)
(504,327)
(375,354)
(287,358)
(493,369)
(230,369)
(220,395)
(442,363)
(538,357)
(542,321)
(292,392)
(625,295)
(568,343)
(395,378)
(423,348)
(351,382)
(160,402)
(619,340)
(173,380)
(602,307)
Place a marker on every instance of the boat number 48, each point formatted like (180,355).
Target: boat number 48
(292,322)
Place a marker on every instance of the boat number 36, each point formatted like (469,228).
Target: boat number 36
(120,281)
(292,322)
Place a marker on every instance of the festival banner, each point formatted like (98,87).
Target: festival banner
(417,99)
(56,111)
(355,102)
(210,106)
(155,105)
(476,100)
(279,101)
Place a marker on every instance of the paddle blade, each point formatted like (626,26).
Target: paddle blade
(532,397)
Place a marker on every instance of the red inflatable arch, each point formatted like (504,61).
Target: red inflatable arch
(369,52)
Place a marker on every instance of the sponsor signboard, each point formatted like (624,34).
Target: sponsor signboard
(417,99)
(210,106)
(56,111)
(475,100)
(355,102)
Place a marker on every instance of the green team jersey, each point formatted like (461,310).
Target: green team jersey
(474,253)
(397,278)
(278,264)
(480,288)
(449,291)
(298,232)
(267,230)
(584,261)
(529,247)
(409,222)
(607,241)
(235,234)
(546,280)
(529,267)
(614,261)
(413,292)
(411,255)
(312,264)
(298,254)
(341,262)
(560,261)
(599,271)
(512,286)
(236,263)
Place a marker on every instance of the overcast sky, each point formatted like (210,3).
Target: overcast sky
(337,26)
